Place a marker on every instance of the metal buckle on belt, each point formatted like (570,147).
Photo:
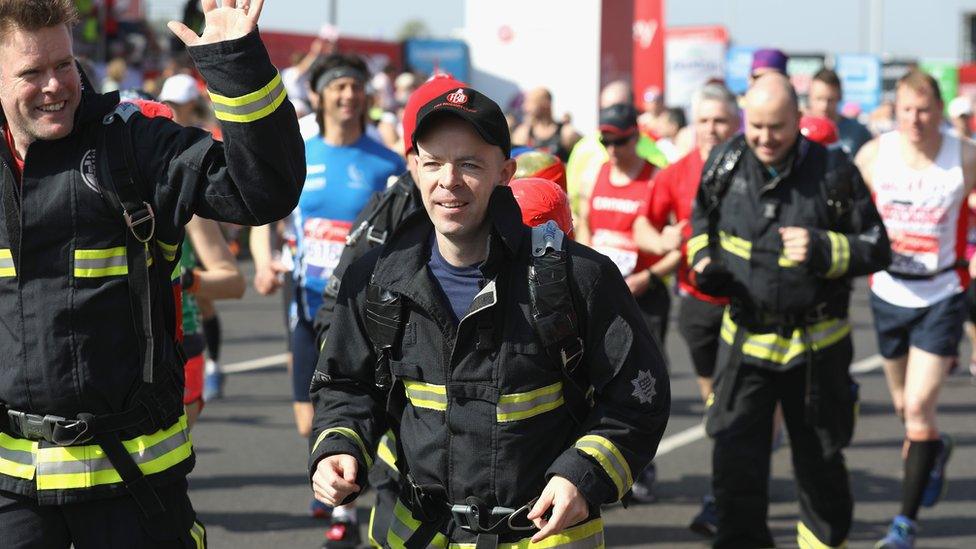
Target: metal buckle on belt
(49,428)
(478,519)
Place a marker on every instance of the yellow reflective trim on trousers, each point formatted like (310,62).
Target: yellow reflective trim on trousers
(736,246)
(807,540)
(199,535)
(101,262)
(519,406)
(426,395)
(350,434)
(90,457)
(588,535)
(251,107)
(7,267)
(777,349)
(695,245)
(840,254)
(369,529)
(404,525)
(610,458)
(17,457)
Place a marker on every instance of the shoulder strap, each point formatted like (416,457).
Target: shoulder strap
(554,312)
(716,178)
(384,326)
(139,221)
(838,186)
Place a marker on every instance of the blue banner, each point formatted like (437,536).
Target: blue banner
(738,65)
(860,78)
(449,56)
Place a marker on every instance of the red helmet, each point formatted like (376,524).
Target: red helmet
(819,130)
(541,164)
(436,85)
(541,200)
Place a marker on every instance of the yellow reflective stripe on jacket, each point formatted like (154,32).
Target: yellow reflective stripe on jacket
(588,535)
(777,349)
(403,525)
(695,245)
(807,540)
(169,250)
(518,406)
(426,395)
(68,467)
(251,107)
(787,263)
(840,254)
(610,458)
(386,450)
(17,457)
(736,246)
(350,434)
(7,267)
(99,263)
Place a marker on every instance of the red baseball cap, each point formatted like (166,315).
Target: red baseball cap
(542,200)
(437,85)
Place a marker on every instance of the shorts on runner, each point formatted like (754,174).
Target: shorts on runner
(936,329)
(304,355)
(700,324)
(193,379)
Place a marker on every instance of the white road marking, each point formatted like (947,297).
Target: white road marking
(254,364)
(693,434)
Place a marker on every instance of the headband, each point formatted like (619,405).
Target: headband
(336,73)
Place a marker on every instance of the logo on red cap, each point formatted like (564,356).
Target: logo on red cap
(458,97)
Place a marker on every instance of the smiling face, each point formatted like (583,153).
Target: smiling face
(344,101)
(40,87)
(772,119)
(456,174)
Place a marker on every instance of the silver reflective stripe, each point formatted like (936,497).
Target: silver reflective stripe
(6,262)
(100,263)
(529,404)
(17,456)
(103,464)
(621,470)
(254,106)
(585,543)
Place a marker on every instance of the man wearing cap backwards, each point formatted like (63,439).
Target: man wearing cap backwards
(920,175)
(486,419)
(345,168)
(823,100)
(780,226)
(94,445)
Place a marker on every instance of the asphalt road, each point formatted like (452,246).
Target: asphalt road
(250,487)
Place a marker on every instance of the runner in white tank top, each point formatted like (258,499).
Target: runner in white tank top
(922,210)
(920,175)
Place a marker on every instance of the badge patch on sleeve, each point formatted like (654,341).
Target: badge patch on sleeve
(644,387)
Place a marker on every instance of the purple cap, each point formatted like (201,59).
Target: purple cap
(769,59)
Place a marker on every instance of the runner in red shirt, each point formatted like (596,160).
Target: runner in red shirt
(623,189)
(715,119)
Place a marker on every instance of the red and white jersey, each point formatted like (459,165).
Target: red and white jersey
(613,209)
(924,213)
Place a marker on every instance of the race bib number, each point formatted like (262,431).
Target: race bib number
(324,240)
(618,247)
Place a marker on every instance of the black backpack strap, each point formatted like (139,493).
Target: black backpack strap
(384,326)
(838,186)
(715,181)
(122,191)
(554,313)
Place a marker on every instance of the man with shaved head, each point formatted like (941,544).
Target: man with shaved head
(780,227)
(540,131)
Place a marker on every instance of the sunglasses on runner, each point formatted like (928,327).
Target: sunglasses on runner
(609,142)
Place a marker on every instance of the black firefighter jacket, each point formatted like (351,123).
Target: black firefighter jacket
(764,283)
(493,423)
(68,340)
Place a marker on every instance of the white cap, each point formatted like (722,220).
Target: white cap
(960,106)
(179,89)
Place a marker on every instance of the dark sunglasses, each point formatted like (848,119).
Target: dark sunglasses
(615,142)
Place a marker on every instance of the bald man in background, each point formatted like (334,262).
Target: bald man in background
(540,131)
(766,237)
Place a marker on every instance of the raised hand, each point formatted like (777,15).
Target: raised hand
(222,22)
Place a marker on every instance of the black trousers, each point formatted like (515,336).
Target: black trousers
(743,438)
(101,524)
(655,306)
(700,324)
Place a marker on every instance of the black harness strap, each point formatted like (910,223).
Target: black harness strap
(140,225)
